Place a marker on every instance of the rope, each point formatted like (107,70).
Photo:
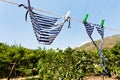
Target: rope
(10,2)
(117,30)
(73,19)
(49,13)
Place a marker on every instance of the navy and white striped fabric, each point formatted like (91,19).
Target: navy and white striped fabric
(89,28)
(100,30)
(44,28)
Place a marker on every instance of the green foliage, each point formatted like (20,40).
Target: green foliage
(113,61)
(68,64)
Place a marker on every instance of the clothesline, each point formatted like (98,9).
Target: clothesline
(51,13)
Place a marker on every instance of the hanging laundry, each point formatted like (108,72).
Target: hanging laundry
(100,28)
(45,27)
(89,28)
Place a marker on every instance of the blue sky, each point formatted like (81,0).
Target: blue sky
(15,30)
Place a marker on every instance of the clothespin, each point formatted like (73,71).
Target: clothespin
(67,18)
(102,23)
(85,18)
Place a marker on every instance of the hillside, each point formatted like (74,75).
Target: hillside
(109,42)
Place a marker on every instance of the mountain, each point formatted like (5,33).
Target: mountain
(109,42)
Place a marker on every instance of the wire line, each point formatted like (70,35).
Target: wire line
(10,2)
(73,19)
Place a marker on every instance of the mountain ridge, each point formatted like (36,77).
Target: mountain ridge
(109,42)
